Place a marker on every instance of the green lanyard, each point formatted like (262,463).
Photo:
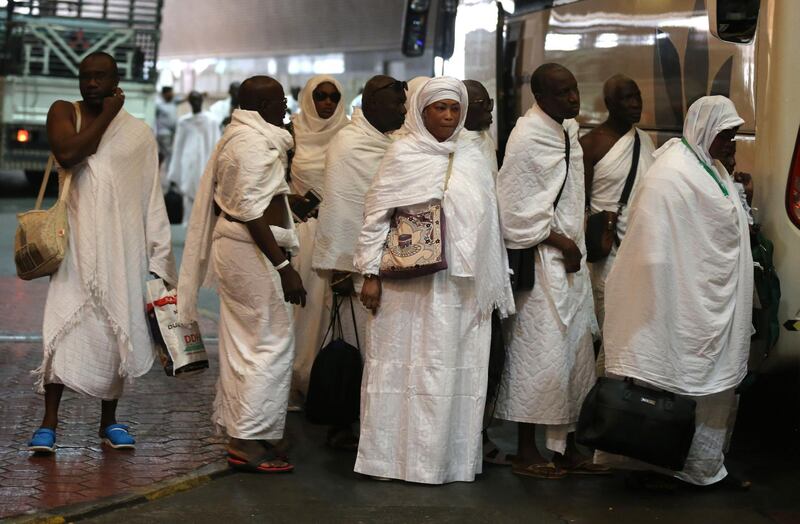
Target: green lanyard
(708,169)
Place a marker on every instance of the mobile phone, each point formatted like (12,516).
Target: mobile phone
(301,210)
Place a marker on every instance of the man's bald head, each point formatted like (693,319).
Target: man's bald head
(479,112)
(265,95)
(383,103)
(99,57)
(623,99)
(556,91)
(475,90)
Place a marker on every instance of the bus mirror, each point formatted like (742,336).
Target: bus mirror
(733,20)
(415,27)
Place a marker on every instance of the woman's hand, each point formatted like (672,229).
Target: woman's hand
(371,293)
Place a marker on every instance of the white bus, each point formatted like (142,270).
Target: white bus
(677,51)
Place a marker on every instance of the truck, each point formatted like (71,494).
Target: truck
(43,43)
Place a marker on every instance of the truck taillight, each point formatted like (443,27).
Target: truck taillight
(23,136)
(793,185)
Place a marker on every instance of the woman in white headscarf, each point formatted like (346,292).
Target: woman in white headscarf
(321,116)
(424,385)
(679,297)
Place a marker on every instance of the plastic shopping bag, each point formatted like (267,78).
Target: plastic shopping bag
(179,346)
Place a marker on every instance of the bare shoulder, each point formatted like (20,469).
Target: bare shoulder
(597,142)
(61,110)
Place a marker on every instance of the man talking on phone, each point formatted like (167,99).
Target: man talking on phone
(95,332)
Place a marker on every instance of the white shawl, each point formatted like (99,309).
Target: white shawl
(413,172)
(352,162)
(611,172)
(119,233)
(527,186)
(679,296)
(414,85)
(312,135)
(243,175)
(195,139)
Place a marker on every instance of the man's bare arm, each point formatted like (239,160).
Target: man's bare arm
(71,148)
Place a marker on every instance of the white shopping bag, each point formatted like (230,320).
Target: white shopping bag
(179,346)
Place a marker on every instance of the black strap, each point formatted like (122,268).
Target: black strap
(566,156)
(626,192)
(335,326)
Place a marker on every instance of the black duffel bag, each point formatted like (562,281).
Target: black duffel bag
(636,421)
(334,387)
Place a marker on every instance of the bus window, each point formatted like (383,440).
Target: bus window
(733,20)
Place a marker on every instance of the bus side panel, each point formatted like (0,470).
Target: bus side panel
(665,46)
(778,118)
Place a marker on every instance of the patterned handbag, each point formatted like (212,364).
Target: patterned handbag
(415,244)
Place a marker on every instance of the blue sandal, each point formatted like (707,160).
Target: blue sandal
(117,436)
(43,441)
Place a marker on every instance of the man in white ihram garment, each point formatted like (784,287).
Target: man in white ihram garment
(476,136)
(679,297)
(196,136)
(607,160)
(321,116)
(223,109)
(550,362)
(245,253)
(425,374)
(95,333)
(353,158)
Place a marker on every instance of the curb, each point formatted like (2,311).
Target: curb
(165,488)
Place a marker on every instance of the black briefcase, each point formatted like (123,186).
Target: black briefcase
(647,424)
(334,387)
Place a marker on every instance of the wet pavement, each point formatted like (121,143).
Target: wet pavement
(170,420)
(168,417)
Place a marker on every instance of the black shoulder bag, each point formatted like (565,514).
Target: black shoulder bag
(334,387)
(601,227)
(521,261)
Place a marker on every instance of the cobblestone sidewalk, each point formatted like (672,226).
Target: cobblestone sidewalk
(169,418)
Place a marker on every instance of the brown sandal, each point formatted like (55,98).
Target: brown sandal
(542,470)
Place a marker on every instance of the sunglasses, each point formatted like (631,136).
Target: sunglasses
(487,104)
(319,96)
(397,85)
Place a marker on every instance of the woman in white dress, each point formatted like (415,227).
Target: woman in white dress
(424,385)
(321,117)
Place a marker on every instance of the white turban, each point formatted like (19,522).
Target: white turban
(434,90)
(706,118)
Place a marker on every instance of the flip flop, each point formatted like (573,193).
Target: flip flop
(543,470)
(587,467)
(494,455)
(260,463)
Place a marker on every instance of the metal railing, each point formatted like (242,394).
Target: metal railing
(51,37)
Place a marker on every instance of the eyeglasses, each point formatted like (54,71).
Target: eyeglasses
(488,104)
(283,101)
(319,96)
(397,85)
